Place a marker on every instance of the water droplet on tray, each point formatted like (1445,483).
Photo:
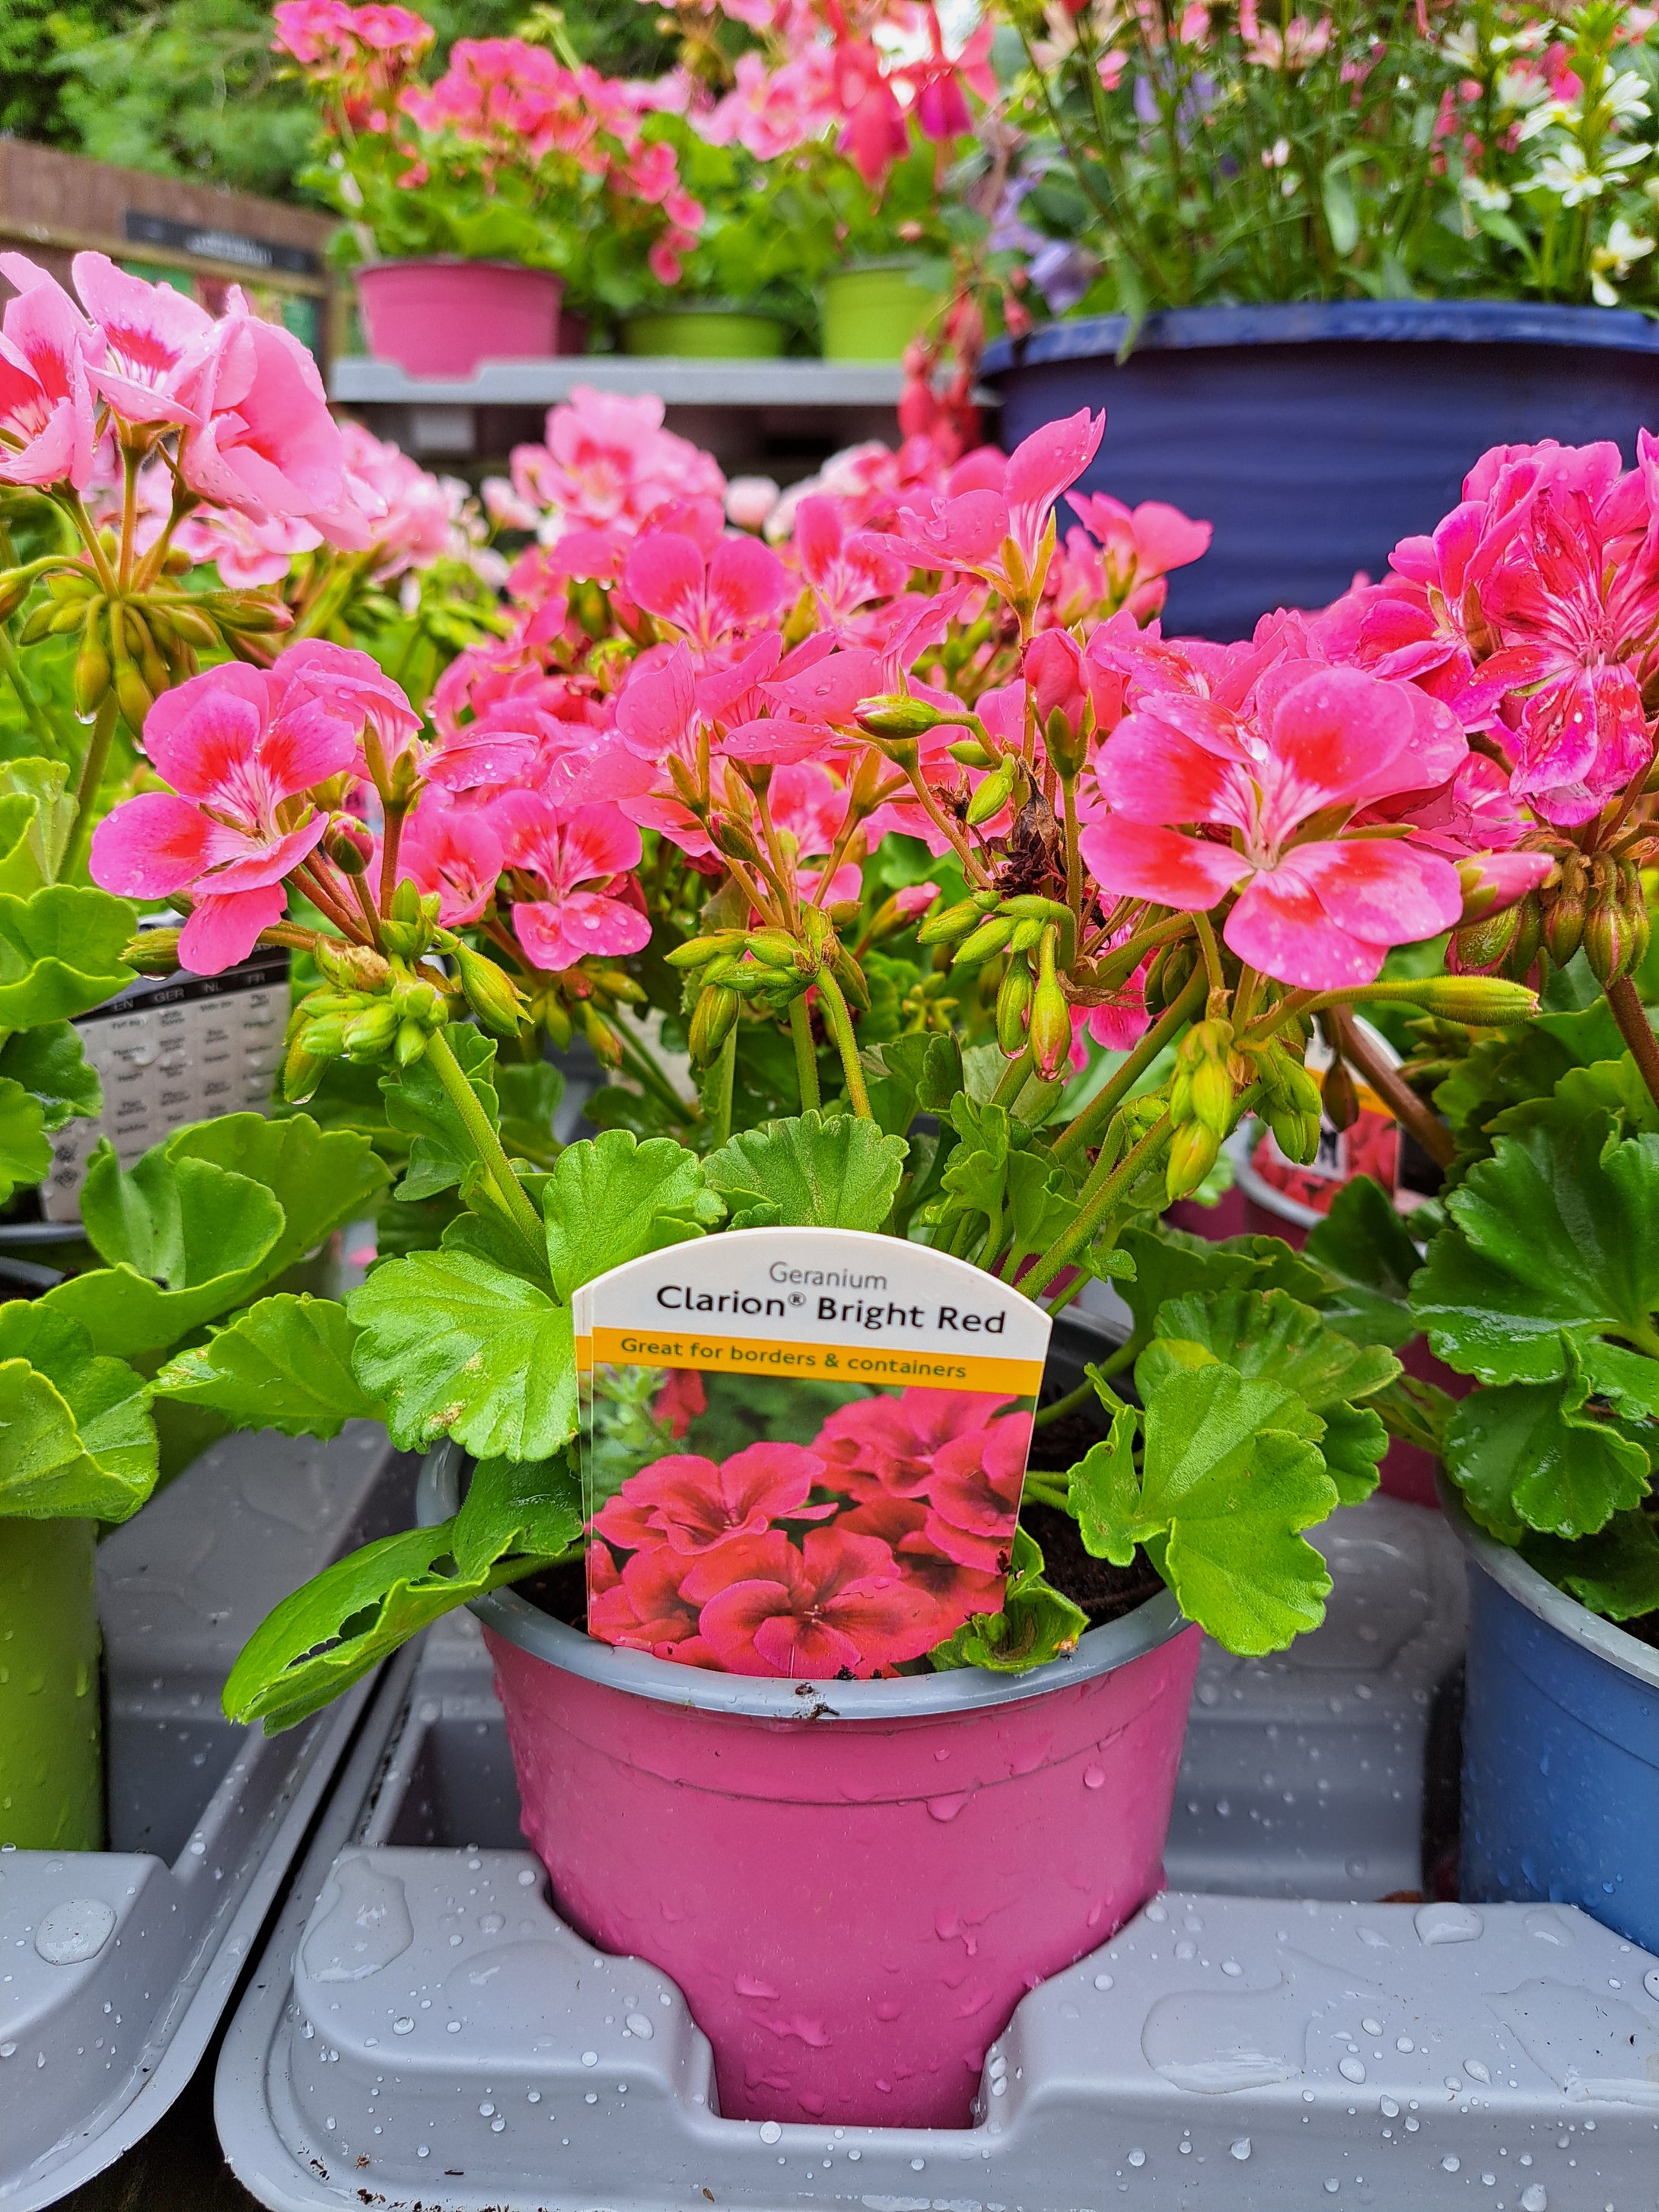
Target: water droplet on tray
(74,1931)
(403,2025)
(771,2132)
(1239,2148)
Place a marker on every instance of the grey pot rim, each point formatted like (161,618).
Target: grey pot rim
(1604,1639)
(1324,322)
(912,1698)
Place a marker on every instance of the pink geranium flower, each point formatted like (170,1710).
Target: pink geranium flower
(644,1606)
(454,851)
(608,461)
(837,1606)
(890,1444)
(1004,534)
(46,413)
(242,752)
(693,1504)
(572,861)
(736,589)
(973,1493)
(1279,778)
(264,441)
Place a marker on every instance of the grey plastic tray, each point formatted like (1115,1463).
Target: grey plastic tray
(117,1966)
(423,2031)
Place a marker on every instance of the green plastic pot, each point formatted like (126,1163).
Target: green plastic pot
(51,1774)
(872,313)
(704,334)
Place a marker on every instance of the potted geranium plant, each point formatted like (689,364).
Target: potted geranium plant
(475,203)
(142,440)
(890,832)
(1336,252)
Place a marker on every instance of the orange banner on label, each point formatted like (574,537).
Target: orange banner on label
(868,1365)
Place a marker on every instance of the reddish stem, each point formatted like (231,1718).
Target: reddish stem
(1632,1019)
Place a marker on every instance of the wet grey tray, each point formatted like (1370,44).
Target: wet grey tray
(117,1966)
(424,2031)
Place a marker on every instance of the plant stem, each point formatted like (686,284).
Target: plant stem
(390,837)
(1391,1087)
(1092,1121)
(1066,1247)
(86,790)
(48,737)
(1212,951)
(1069,1404)
(806,1057)
(485,1141)
(840,1028)
(725,1078)
(650,1066)
(1012,1080)
(1632,1017)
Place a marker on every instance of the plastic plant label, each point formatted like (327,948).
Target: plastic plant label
(803,1450)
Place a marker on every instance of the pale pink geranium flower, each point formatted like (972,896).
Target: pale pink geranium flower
(734,590)
(1317,909)
(572,861)
(47,409)
(608,460)
(837,1606)
(1004,534)
(1140,546)
(242,750)
(413,524)
(153,339)
(695,1504)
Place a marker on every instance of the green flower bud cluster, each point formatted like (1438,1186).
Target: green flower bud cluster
(764,969)
(370,1009)
(1289,1103)
(1200,1104)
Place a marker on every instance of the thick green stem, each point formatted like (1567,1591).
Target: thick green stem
(726,1080)
(86,791)
(1066,1247)
(1092,1121)
(47,736)
(1069,1404)
(651,1071)
(485,1142)
(1631,1017)
(1012,1079)
(840,1028)
(806,1057)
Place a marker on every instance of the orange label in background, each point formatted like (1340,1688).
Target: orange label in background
(869,1366)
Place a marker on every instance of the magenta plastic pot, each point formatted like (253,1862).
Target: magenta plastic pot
(854,1883)
(442,317)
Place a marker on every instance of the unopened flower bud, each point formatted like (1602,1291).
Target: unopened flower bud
(1296,1134)
(490,991)
(1528,936)
(302,1071)
(989,938)
(1563,919)
(1051,1015)
(153,952)
(1476,1002)
(349,845)
(1484,944)
(995,792)
(603,1041)
(1013,1007)
(947,925)
(711,1019)
(368,1035)
(354,967)
(1493,881)
(1170,972)
(412,1043)
(1193,1152)
(896,715)
(1339,1096)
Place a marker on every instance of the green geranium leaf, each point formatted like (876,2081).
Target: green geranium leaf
(185,1241)
(1036,1623)
(1606,1086)
(25,1147)
(285,1363)
(610,1199)
(40,811)
(1103,1490)
(834,1173)
(345,1621)
(513,1508)
(320,1178)
(1367,1250)
(53,1067)
(1169,1263)
(456,1346)
(1231,1477)
(1273,1337)
(1615,1572)
(1553,1240)
(416,1103)
(1530,1456)
(60,953)
(107,1403)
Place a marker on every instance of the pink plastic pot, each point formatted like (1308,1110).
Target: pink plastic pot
(854,1883)
(442,317)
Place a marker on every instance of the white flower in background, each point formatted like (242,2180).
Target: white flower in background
(1565,173)
(1624,97)
(1462,46)
(1519,89)
(1491,199)
(1614,259)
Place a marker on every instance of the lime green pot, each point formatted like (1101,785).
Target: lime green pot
(704,334)
(872,311)
(52,1775)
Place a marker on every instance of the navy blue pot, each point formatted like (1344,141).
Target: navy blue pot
(1316,436)
(1560,1748)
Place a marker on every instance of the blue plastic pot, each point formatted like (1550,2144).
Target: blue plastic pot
(1560,1748)
(1315,437)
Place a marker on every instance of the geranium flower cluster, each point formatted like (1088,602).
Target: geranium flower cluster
(507,151)
(849,1555)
